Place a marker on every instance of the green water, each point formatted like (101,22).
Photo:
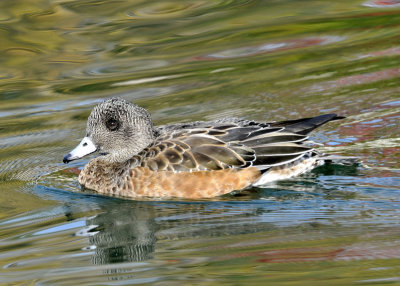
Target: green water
(201,60)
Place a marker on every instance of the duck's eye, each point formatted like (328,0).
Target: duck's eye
(112,124)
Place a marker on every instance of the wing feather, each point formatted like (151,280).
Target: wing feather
(221,154)
(282,149)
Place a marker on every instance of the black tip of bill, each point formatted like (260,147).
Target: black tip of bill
(67,159)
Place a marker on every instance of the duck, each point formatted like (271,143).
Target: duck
(193,160)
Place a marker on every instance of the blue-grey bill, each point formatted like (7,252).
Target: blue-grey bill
(84,148)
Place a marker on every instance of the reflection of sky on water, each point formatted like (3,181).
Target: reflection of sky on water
(272,47)
(382,3)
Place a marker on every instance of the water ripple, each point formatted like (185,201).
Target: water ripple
(272,47)
(114,68)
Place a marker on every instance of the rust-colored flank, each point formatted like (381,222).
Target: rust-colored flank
(142,182)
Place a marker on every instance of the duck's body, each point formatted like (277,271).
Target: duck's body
(191,160)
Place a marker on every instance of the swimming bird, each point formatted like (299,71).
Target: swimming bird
(201,159)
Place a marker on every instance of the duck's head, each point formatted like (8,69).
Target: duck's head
(117,129)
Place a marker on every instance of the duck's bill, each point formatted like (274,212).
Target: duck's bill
(84,148)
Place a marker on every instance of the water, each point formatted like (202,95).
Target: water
(201,60)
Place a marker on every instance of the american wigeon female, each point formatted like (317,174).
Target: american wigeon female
(189,160)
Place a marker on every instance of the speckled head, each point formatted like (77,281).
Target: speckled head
(117,129)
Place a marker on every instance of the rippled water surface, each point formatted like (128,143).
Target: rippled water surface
(201,60)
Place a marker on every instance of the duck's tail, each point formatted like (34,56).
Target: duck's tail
(306,125)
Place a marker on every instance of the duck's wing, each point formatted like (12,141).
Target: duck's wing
(221,146)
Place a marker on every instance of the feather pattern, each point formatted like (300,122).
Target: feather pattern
(200,146)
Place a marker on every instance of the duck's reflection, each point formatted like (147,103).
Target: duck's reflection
(128,231)
(122,233)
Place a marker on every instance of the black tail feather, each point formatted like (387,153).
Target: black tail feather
(306,125)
